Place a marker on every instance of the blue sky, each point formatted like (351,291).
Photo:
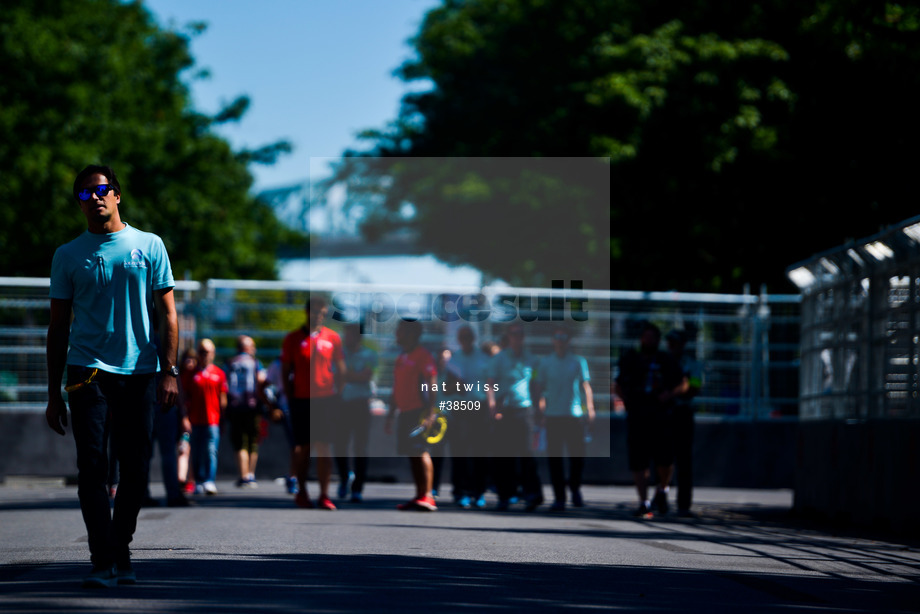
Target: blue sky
(316,71)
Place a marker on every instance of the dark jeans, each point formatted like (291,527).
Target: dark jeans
(353,425)
(167,435)
(469,432)
(683,449)
(120,407)
(512,436)
(565,434)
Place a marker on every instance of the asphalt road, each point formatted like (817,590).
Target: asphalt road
(253,551)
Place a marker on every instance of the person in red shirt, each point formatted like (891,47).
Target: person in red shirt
(414,368)
(188,366)
(313,371)
(207,398)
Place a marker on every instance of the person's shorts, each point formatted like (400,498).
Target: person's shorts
(406,445)
(312,420)
(245,429)
(649,441)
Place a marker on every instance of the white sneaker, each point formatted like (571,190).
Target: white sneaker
(210,488)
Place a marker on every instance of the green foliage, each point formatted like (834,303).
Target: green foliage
(276,310)
(742,136)
(479,211)
(97,81)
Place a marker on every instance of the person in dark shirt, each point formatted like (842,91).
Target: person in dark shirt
(649,381)
(683,419)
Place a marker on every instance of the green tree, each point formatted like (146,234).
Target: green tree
(98,81)
(742,136)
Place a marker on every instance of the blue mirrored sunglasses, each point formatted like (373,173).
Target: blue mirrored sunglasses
(100,190)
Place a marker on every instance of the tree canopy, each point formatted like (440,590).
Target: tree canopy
(98,81)
(741,136)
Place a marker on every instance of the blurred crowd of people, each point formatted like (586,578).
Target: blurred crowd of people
(515,403)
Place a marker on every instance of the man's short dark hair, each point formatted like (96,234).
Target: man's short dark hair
(413,328)
(96,169)
(648,326)
(315,303)
(562,329)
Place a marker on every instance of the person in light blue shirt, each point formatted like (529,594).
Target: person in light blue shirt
(470,427)
(568,404)
(354,425)
(510,403)
(116,281)
(112,280)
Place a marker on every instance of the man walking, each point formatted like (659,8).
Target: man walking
(207,404)
(649,380)
(313,367)
(683,419)
(512,375)
(564,382)
(354,424)
(469,436)
(246,381)
(115,280)
(415,370)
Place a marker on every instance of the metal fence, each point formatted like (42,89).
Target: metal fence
(860,340)
(24,316)
(747,344)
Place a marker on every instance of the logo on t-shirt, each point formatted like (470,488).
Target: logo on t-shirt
(137,259)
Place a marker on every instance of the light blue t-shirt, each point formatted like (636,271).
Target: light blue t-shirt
(561,380)
(512,374)
(111,279)
(359,360)
(473,369)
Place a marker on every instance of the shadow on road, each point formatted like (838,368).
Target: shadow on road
(397,583)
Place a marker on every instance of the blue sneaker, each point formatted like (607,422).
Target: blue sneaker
(291,486)
(532,502)
(357,497)
(465,502)
(345,485)
(125,573)
(481,502)
(101,577)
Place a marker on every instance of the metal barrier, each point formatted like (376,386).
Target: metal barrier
(747,344)
(24,314)
(860,316)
